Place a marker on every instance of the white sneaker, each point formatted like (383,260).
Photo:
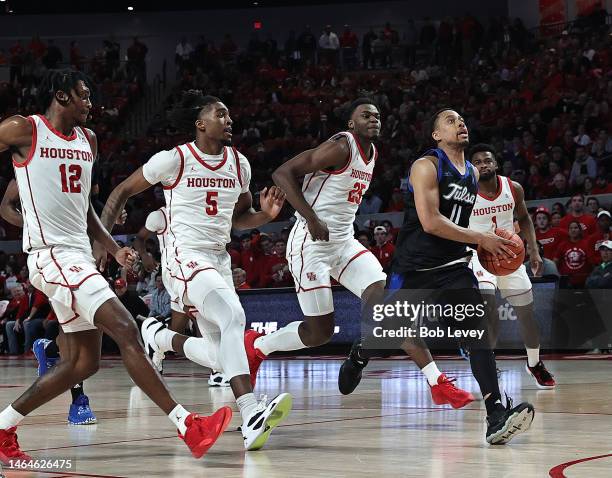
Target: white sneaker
(257,428)
(158,361)
(149,328)
(217,379)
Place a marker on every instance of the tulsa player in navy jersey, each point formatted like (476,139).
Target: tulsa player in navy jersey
(499,200)
(431,253)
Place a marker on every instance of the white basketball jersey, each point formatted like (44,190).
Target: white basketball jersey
(498,211)
(335,195)
(201,194)
(54,185)
(157,222)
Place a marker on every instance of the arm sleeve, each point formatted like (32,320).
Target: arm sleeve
(162,167)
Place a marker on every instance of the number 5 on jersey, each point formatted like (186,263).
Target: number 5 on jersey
(211,203)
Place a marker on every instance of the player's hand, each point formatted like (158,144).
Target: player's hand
(122,218)
(149,263)
(496,245)
(127,257)
(271,201)
(318,230)
(100,256)
(537,264)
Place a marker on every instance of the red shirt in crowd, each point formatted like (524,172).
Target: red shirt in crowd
(551,240)
(270,266)
(384,254)
(573,261)
(244,286)
(593,242)
(587,223)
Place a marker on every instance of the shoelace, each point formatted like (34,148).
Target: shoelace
(450,381)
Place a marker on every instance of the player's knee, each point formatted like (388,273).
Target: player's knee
(374,293)
(226,310)
(125,333)
(84,368)
(319,330)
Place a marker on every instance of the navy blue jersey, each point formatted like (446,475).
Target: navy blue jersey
(417,249)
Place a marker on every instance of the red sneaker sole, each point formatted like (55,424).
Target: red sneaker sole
(200,450)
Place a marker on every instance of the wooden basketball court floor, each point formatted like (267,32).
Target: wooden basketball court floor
(388,427)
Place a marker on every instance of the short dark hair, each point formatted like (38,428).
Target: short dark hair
(483,148)
(434,118)
(184,115)
(65,80)
(358,102)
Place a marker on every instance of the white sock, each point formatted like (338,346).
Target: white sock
(178,416)
(283,339)
(246,404)
(163,339)
(432,373)
(533,356)
(10,418)
(202,352)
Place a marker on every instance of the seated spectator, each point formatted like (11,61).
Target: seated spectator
(275,270)
(370,203)
(584,167)
(604,222)
(33,307)
(572,258)
(549,268)
(159,306)
(396,204)
(602,186)
(239,278)
(384,248)
(364,238)
(559,186)
(601,277)
(555,219)
(550,237)
(592,206)
(9,315)
(130,300)
(247,259)
(578,213)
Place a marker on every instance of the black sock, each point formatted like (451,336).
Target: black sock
(482,362)
(51,350)
(77,391)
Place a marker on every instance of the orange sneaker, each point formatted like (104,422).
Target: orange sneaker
(203,432)
(9,447)
(446,392)
(254,355)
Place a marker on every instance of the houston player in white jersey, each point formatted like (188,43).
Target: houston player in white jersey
(498,201)
(206,186)
(157,223)
(53,155)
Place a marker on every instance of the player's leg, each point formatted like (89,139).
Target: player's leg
(487,283)
(504,423)
(516,289)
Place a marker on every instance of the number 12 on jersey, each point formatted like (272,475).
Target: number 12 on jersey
(71,181)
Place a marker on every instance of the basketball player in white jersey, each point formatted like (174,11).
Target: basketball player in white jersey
(206,187)
(321,245)
(53,155)
(157,223)
(498,201)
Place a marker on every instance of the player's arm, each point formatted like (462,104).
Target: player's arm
(133,185)
(245,217)
(123,255)
(15,132)
(9,208)
(148,262)
(332,154)
(527,229)
(423,177)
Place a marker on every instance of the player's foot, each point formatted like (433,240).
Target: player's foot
(506,423)
(148,330)
(217,379)
(44,362)
(544,379)
(351,369)
(9,447)
(158,361)
(254,355)
(257,428)
(203,432)
(80,413)
(446,392)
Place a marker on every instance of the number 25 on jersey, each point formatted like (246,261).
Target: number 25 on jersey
(355,194)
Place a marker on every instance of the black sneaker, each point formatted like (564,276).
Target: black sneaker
(506,423)
(350,371)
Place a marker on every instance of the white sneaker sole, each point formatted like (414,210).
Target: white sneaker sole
(517,423)
(277,411)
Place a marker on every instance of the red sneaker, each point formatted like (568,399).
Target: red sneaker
(446,392)
(202,432)
(254,355)
(9,447)
(542,376)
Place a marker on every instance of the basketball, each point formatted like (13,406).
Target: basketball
(506,266)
